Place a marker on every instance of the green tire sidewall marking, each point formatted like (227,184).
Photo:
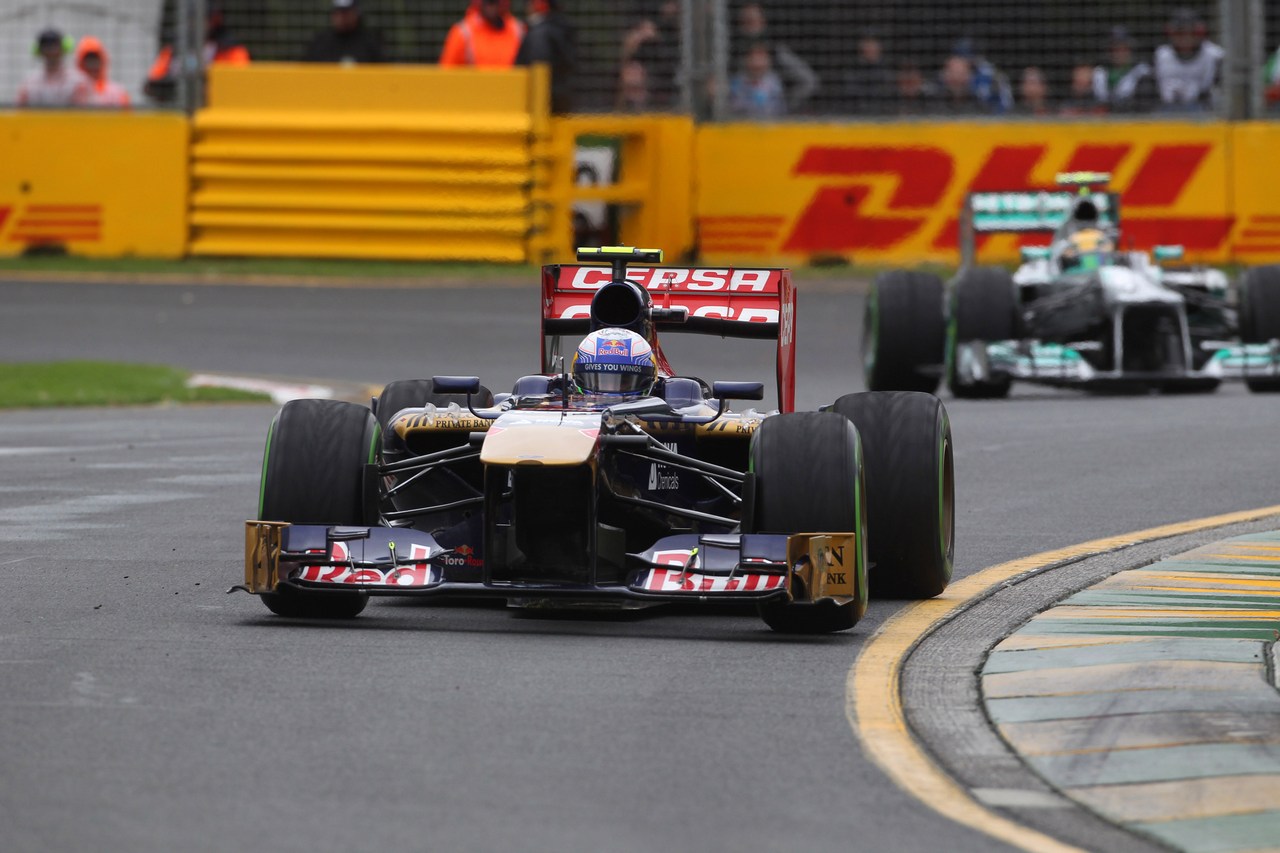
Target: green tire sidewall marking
(374,441)
(266,455)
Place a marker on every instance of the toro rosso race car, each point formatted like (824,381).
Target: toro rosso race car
(1079,312)
(609,480)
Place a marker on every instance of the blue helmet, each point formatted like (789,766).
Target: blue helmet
(615,362)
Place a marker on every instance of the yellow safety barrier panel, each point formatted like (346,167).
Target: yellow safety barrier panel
(890,194)
(100,184)
(396,162)
(654,189)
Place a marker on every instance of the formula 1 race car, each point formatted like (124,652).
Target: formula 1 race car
(1077,313)
(614,483)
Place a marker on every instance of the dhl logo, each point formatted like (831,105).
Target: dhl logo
(50,224)
(876,199)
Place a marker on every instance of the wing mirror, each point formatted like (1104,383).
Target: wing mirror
(456,384)
(738,390)
(1167,253)
(1035,253)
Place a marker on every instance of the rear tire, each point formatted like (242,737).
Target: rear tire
(984,307)
(313,473)
(808,479)
(904,332)
(910,490)
(1260,317)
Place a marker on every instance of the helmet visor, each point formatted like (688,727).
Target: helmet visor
(630,379)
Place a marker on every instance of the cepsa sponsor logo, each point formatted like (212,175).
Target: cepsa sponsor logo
(718,312)
(691,280)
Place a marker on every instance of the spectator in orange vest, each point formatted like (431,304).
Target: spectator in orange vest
(219,48)
(488,36)
(91,58)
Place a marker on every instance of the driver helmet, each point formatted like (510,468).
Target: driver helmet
(1086,249)
(614,363)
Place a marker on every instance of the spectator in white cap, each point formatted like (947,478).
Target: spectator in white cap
(346,40)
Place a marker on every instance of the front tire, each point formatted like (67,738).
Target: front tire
(808,478)
(1260,317)
(984,308)
(904,332)
(910,490)
(313,472)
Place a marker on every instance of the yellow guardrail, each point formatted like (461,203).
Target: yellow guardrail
(400,162)
(99,184)
(654,190)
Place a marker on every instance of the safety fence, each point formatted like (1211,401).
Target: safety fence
(762,59)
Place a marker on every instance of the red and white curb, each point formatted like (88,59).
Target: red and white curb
(281,392)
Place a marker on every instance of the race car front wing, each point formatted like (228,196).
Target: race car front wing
(804,567)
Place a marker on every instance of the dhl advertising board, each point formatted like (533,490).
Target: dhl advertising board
(891,194)
(94,184)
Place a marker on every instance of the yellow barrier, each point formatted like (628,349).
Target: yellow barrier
(404,162)
(655,186)
(93,183)
(889,194)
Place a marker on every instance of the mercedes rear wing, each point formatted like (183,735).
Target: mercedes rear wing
(728,302)
(1027,212)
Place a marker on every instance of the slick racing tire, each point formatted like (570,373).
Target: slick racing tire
(1260,317)
(417,393)
(808,479)
(984,307)
(904,332)
(313,473)
(910,490)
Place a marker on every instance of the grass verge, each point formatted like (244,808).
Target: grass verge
(104,383)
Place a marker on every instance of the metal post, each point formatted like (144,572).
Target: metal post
(720,70)
(688,71)
(181,50)
(1241,25)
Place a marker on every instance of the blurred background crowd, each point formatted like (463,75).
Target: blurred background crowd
(716,59)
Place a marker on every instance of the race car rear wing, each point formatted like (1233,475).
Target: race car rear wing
(1027,212)
(729,302)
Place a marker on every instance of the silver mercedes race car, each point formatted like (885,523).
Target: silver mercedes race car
(1079,312)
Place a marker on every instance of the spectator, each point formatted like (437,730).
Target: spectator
(957,95)
(1187,68)
(1123,85)
(753,30)
(551,39)
(1271,80)
(915,94)
(633,89)
(756,91)
(654,42)
(869,86)
(99,91)
(990,87)
(1033,92)
(54,84)
(1081,100)
(346,40)
(220,48)
(486,37)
